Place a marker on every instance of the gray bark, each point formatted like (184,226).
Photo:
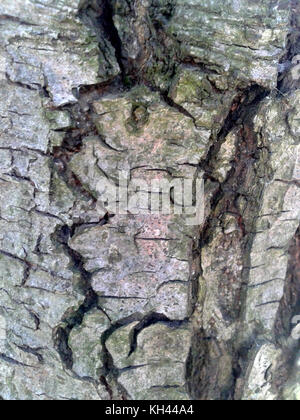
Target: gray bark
(95,304)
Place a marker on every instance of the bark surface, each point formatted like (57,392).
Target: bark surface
(100,305)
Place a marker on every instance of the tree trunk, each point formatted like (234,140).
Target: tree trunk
(112,286)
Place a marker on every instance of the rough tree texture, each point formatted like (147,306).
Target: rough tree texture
(130,306)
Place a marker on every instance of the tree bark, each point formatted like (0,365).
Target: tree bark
(101,300)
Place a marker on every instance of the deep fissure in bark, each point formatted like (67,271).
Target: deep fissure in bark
(147,321)
(82,126)
(110,373)
(71,320)
(203,370)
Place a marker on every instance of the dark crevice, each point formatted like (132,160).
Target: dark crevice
(12,361)
(110,31)
(35,319)
(166,387)
(204,370)
(34,352)
(82,126)
(22,85)
(74,318)
(147,321)
(76,227)
(6,17)
(27,265)
(107,386)
(242,112)
(109,376)
(109,372)
(243,102)
(165,96)
(62,332)
(98,14)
